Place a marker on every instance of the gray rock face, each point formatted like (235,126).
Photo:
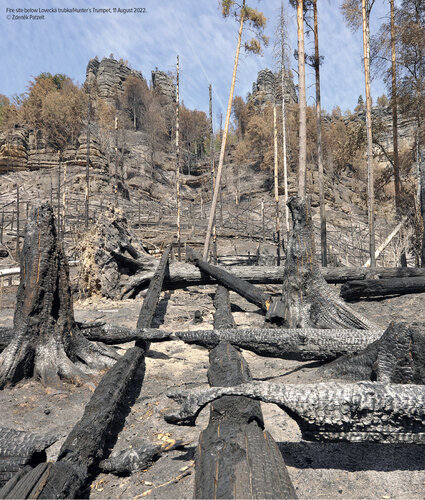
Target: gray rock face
(268,85)
(108,76)
(24,149)
(163,83)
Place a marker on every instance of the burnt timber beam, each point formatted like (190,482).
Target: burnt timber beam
(288,343)
(250,464)
(358,289)
(364,411)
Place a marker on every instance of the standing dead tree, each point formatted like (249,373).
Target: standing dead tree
(307,300)
(47,343)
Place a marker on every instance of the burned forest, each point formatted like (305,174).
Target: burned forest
(217,292)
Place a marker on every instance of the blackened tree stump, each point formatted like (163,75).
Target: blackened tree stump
(398,357)
(46,342)
(307,300)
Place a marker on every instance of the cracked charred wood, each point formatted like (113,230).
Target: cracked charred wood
(46,342)
(20,448)
(140,456)
(358,289)
(249,465)
(301,344)
(307,300)
(6,335)
(398,357)
(111,334)
(223,317)
(95,434)
(109,254)
(344,274)
(364,411)
(150,302)
(230,281)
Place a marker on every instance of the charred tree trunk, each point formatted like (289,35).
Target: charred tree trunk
(358,289)
(243,288)
(223,315)
(250,464)
(307,301)
(398,357)
(298,343)
(46,342)
(367,411)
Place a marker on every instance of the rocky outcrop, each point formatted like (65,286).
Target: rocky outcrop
(163,84)
(268,85)
(24,149)
(108,77)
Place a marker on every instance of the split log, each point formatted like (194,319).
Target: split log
(109,254)
(243,288)
(46,343)
(249,465)
(223,315)
(397,357)
(183,274)
(365,411)
(307,300)
(301,344)
(356,290)
(20,448)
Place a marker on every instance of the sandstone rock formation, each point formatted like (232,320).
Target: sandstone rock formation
(108,77)
(268,85)
(163,83)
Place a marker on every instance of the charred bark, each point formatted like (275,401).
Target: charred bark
(249,465)
(6,336)
(223,315)
(398,357)
(183,274)
(46,343)
(243,288)
(301,344)
(356,290)
(307,301)
(366,411)
(20,448)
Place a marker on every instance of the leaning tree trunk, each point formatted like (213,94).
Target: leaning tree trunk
(46,342)
(307,300)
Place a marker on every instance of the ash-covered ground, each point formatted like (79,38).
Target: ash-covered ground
(318,470)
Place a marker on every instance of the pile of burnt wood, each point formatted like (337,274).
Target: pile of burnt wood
(382,398)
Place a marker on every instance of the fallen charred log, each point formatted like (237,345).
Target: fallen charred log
(397,357)
(297,343)
(243,288)
(46,342)
(365,411)
(20,448)
(307,300)
(250,464)
(356,289)
(183,274)
(140,456)
(223,315)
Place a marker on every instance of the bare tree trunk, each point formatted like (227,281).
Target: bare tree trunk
(88,164)
(17,225)
(276,184)
(59,194)
(214,229)
(369,153)
(178,163)
(302,102)
(116,160)
(223,142)
(323,244)
(285,166)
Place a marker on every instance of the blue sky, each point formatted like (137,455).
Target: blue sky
(194,29)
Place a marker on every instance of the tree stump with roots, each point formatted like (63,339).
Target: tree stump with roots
(46,343)
(307,300)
